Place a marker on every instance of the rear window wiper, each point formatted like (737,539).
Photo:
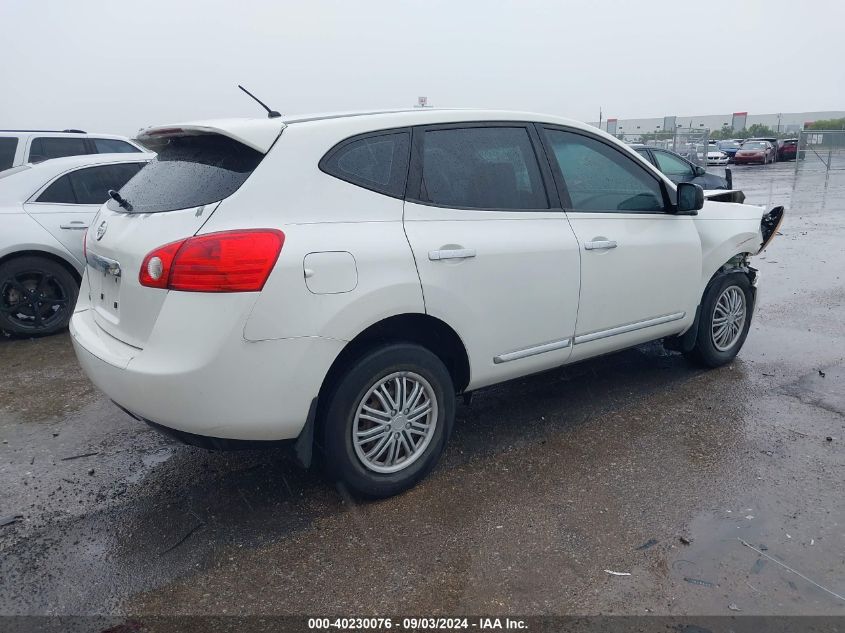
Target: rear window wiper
(123,202)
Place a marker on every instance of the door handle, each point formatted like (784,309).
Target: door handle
(451,253)
(598,245)
(75,225)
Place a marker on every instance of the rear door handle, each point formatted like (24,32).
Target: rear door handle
(451,253)
(75,225)
(598,245)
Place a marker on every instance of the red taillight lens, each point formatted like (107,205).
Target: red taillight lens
(156,267)
(229,261)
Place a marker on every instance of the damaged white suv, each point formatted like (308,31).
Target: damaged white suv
(337,280)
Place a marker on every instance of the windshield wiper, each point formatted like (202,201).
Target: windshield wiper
(123,202)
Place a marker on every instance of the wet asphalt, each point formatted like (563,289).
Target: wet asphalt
(635,463)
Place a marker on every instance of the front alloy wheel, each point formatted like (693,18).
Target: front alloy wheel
(724,320)
(728,320)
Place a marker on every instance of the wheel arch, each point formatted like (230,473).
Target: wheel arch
(423,329)
(738,264)
(67,265)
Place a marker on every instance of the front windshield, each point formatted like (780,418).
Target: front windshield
(728,145)
(754,145)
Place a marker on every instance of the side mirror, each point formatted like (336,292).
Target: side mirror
(690,198)
(699,171)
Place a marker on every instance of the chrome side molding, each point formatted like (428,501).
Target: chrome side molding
(628,327)
(532,351)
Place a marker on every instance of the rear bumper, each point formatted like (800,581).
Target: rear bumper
(209,381)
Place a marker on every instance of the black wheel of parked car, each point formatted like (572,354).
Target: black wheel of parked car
(37,296)
(724,320)
(387,420)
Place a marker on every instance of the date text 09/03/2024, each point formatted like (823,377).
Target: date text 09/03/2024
(415,624)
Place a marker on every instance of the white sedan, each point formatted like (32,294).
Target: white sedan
(337,280)
(44,212)
(716,156)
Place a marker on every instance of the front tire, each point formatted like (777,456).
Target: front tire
(37,296)
(724,320)
(387,420)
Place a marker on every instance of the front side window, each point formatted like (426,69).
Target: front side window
(113,146)
(481,168)
(89,185)
(672,165)
(378,162)
(8,145)
(600,178)
(46,147)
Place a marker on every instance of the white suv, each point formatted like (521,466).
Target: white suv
(18,147)
(339,279)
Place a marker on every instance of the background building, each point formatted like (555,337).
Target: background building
(780,122)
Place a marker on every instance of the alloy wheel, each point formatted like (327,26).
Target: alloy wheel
(728,321)
(33,300)
(394,422)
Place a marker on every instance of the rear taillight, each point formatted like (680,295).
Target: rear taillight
(229,261)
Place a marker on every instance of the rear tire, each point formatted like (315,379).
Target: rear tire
(725,319)
(37,296)
(387,420)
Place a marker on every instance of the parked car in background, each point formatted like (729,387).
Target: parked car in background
(374,266)
(787,149)
(679,169)
(33,146)
(729,147)
(715,156)
(755,152)
(45,210)
(771,140)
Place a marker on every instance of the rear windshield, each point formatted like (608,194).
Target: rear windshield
(189,171)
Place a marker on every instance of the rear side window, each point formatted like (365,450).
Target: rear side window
(46,147)
(377,161)
(481,168)
(190,171)
(90,185)
(8,145)
(113,146)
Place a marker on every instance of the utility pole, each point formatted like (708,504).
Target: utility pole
(599,117)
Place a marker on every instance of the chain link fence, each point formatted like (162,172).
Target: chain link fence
(820,151)
(819,168)
(691,143)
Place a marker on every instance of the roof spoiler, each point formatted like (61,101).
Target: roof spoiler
(259,134)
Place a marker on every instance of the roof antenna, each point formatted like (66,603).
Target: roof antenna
(271,114)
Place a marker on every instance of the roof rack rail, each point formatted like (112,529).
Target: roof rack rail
(68,131)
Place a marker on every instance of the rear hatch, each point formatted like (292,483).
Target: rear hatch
(169,200)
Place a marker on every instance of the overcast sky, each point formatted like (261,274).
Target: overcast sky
(116,66)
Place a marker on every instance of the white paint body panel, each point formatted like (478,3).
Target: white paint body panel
(645,276)
(53,229)
(248,365)
(520,290)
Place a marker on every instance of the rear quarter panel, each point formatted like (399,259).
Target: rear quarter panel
(321,214)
